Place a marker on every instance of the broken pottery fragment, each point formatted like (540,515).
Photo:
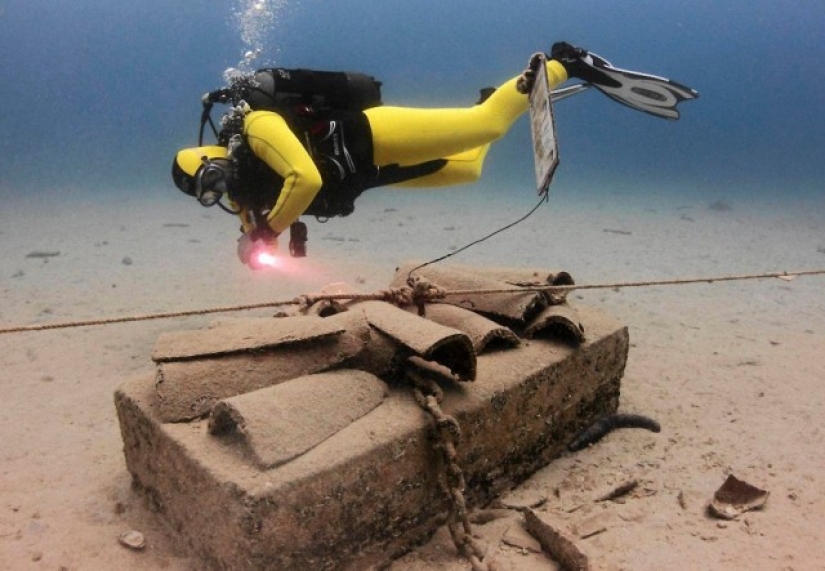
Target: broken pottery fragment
(523,276)
(619,491)
(282,422)
(559,547)
(132,539)
(559,321)
(517,536)
(511,306)
(483,332)
(533,278)
(241,336)
(381,356)
(593,525)
(736,497)
(417,336)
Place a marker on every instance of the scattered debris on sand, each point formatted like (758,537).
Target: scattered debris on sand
(736,497)
(43,254)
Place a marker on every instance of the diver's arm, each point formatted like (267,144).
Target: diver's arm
(272,141)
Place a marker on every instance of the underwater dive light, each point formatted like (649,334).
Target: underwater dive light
(263,255)
(265,258)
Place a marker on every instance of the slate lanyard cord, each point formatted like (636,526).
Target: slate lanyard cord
(542,200)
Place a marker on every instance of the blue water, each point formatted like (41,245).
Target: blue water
(99,94)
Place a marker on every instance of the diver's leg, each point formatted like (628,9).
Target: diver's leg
(460,169)
(409,136)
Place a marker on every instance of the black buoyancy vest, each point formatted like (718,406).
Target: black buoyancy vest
(340,145)
(325,111)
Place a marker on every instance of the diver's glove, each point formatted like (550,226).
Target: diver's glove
(257,248)
(527,79)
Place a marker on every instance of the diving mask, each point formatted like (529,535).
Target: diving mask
(211,181)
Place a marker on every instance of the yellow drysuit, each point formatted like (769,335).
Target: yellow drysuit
(401,135)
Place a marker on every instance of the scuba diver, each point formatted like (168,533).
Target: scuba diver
(301,142)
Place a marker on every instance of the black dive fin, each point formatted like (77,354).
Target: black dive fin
(649,93)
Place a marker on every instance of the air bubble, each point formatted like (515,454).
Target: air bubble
(256,21)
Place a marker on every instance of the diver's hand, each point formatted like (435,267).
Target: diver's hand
(256,248)
(581,64)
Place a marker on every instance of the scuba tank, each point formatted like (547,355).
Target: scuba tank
(320,90)
(294,91)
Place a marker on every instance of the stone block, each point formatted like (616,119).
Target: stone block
(370,491)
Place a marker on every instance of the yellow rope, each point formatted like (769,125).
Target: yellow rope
(401,296)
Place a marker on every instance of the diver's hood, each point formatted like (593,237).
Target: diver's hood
(188,161)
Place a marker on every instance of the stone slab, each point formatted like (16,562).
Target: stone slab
(370,492)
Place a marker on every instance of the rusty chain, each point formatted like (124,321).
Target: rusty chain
(429,395)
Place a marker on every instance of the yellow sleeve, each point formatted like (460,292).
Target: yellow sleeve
(272,141)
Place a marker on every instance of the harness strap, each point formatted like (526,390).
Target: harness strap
(394,174)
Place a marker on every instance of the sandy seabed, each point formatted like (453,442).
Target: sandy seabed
(733,371)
